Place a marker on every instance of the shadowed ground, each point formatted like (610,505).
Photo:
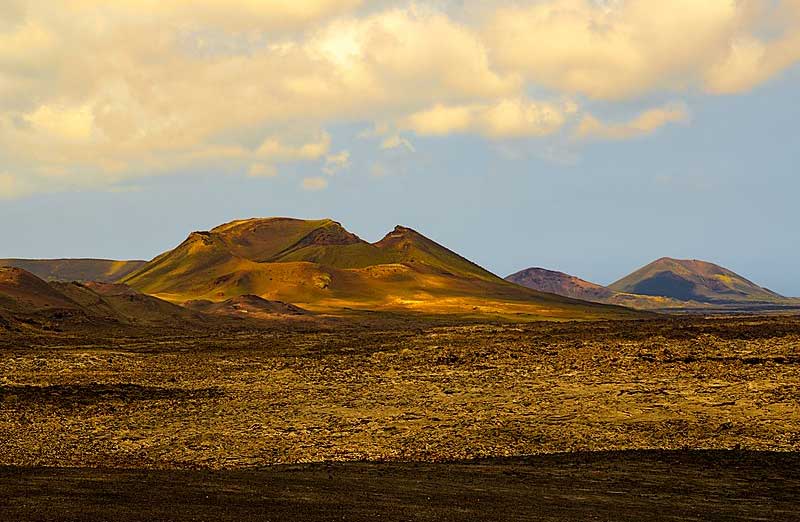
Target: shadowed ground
(619,486)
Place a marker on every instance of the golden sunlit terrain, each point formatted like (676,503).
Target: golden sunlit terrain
(284,357)
(319,266)
(400,410)
(233,398)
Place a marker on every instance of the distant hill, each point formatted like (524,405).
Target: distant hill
(31,300)
(665,284)
(567,285)
(21,291)
(101,270)
(693,280)
(561,284)
(320,266)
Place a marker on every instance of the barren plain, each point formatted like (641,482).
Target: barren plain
(260,397)
(408,414)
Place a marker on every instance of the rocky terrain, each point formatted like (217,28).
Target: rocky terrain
(429,393)
(410,384)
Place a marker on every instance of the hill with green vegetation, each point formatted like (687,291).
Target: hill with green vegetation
(320,266)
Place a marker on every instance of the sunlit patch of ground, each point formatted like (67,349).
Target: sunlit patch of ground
(255,398)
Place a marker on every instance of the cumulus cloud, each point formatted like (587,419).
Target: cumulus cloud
(72,124)
(106,95)
(262,170)
(11,186)
(240,15)
(396,141)
(336,162)
(277,150)
(507,118)
(315,183)
(615,50)
(95,93)
(645,123)
(750,62)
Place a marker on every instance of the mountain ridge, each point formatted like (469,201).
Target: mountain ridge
(320,266)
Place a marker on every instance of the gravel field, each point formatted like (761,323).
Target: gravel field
(244,399)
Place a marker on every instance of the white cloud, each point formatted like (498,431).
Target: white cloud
(116,90)
(11,187)
(96,93)
(234,15)
(616,50)
(506,118)
(262,170)
(440,120)
(275,149)
(315,183)
(336,162)
(751,61)
(395,141)
(645,123)
(73,124)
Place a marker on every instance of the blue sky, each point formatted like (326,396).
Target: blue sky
(594,178)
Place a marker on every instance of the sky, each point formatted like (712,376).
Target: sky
(586,136)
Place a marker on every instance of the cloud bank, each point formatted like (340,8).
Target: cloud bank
(96,93)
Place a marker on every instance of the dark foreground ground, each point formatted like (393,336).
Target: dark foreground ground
(605,486)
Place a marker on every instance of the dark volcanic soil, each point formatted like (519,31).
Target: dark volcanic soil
(617,486)
(184,425)
(255,398)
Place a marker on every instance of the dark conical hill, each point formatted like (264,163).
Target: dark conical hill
(692,280)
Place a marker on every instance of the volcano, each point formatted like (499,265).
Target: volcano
(320,266)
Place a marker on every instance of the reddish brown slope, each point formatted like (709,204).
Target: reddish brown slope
(560,283)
